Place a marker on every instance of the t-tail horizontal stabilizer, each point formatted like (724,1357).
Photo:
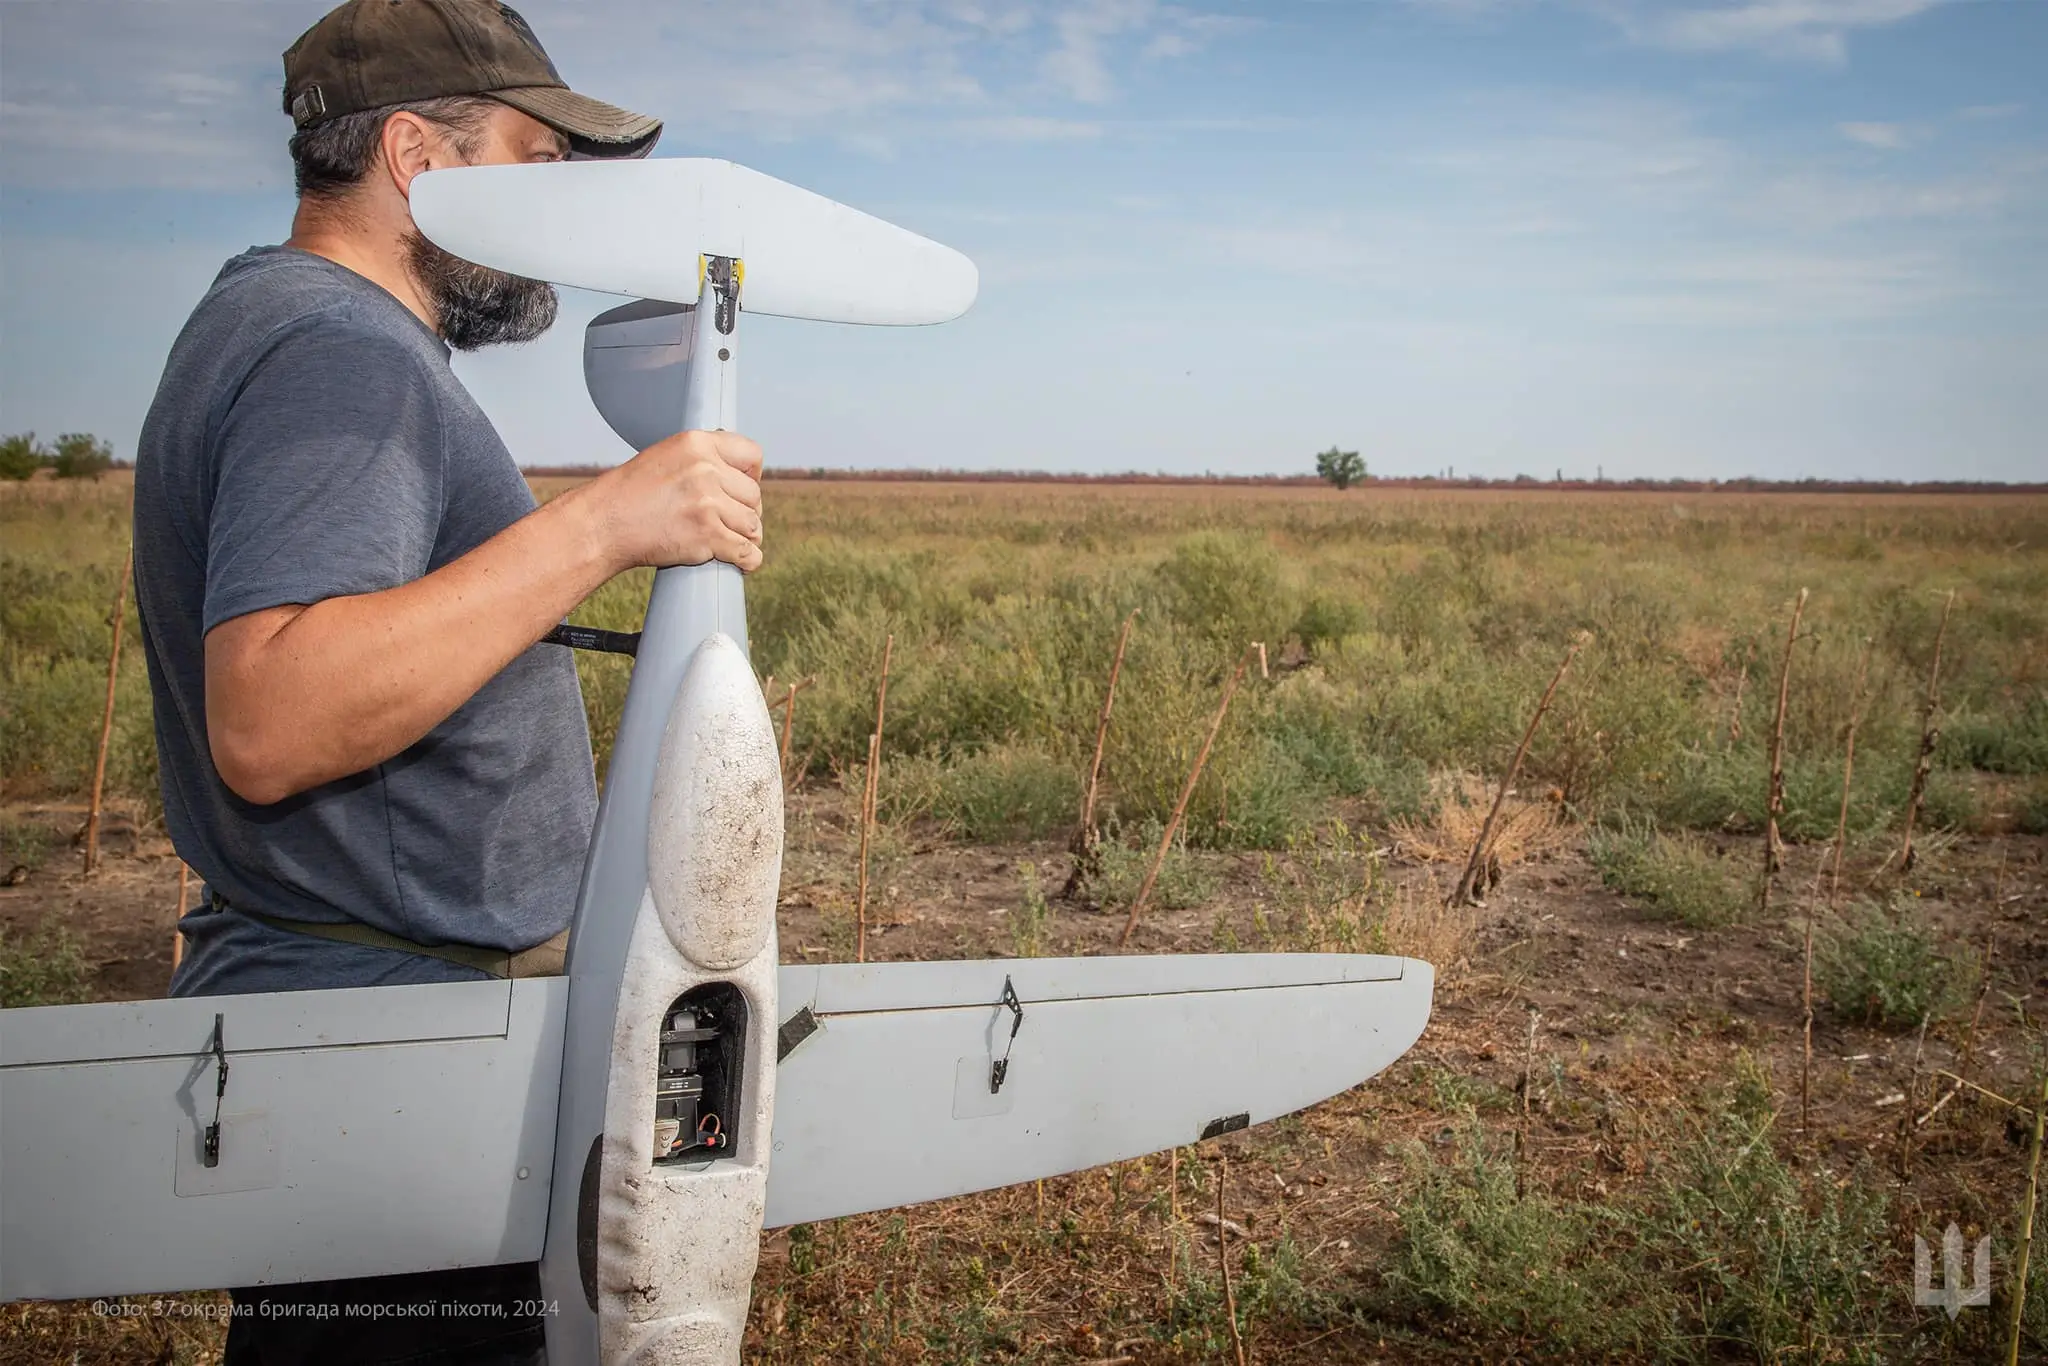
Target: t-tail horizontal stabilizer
(641,228)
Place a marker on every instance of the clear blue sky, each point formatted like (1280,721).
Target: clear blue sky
(1663,237)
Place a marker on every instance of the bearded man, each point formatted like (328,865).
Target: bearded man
(381,772)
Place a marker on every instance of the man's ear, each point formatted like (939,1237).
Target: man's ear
(410,145)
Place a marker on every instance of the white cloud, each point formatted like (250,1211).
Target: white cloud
(1990,111)
(1889,137)
(188,96)
(1806,30)
(1078,64)
(1089,36)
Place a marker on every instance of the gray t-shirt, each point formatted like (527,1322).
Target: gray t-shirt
(308,441)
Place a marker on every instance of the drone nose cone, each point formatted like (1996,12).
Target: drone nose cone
(714,833)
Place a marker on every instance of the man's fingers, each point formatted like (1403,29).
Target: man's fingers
(736,549)
(739,452)
(739,487)
(741,519)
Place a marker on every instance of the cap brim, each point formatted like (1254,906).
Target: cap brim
(594,128)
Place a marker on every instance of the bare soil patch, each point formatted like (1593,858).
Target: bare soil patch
(1634,1015)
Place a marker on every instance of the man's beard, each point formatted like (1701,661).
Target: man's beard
(478,306)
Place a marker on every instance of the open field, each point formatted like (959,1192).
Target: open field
(1628,1181)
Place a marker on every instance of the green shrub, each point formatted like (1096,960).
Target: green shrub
(1763,1260)
(1228,589)
(1951,802)
(21,456)
(1613,728)
(2033,810)
(47,968)
(814,584)
(1326,618)
(1506,1266)
(1727,787)
(1681,877)
(1428,609)
(1883,966)
(1273,1283)
(1031,922)
(1725,1252)
(1321,733)
(2012,743)
(24,844)
(1264,798)
(80,455)
(1007,792)
(1121,861)
(54,637)
(1322,898)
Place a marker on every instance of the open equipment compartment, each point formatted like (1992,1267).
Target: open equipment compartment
(697,1079)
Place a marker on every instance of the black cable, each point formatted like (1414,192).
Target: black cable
(591,638)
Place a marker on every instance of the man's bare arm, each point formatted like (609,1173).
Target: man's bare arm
(297,696)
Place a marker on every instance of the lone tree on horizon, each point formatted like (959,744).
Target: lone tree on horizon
(1341,468)
(81,455)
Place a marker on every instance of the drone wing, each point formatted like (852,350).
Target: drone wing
(889,1092)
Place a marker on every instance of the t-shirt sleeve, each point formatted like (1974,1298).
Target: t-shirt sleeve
(329,472)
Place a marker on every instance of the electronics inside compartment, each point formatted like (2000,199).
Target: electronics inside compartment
(698,1073)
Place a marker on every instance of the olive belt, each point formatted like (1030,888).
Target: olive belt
(545,959)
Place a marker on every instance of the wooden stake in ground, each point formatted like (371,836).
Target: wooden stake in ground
(1907,1127)
(1469,886)
(1522,1134)
(1930,733)
(1180,808)
(1741,683)
(99,768)
(867,804)
(1774,804)
(1806,1027)
(1984,973)
(2019,1273)
(1848,771)
(1223,1256)
(177,935)
(1084,838)
(788,720)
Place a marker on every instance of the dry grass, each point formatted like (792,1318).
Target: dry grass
(1528,828)
(1416,924)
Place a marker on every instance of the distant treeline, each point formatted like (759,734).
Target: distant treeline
(76,455)
(1522,482)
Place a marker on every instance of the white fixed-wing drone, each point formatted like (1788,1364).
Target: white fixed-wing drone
(634,1124)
